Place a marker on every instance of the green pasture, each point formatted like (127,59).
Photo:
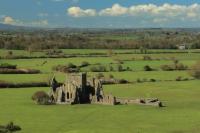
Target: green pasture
(169,52)
(181,114)
(182,99)
(137,65)
(130,76)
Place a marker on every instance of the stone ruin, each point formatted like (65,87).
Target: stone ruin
(78,90)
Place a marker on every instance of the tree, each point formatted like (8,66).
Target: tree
(119,68)
(195,70)
(110,52)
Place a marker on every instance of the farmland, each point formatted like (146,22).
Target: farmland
(181,114)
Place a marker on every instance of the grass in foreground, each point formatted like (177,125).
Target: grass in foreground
(180,116)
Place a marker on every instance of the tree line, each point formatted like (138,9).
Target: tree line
(39,40)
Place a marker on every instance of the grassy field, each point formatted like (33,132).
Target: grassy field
(181,114)
(182,99)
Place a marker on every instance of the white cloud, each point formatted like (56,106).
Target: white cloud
(12,21)
(78,12)
(8,20)
(142,9)
(157,13)
(115,10)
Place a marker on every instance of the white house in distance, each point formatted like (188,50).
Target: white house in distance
(182,46)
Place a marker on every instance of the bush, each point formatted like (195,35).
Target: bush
(195,70)
(102,68)
(99,75)
(9,128)
(9,66)
(71,65)
(122,81)
(41,97)
(51,52)
(93,69)
(119,61)
(4,84)
(152,80)
(111,68)
(147,68)
(84,64)
(119,68)
(167,67)
(180,66)
(128,69)
(146,57)
(60,68)
(111,76)
(139,80)
(18,71)
(179,78)
(66,69)
(175,66)
(98,69)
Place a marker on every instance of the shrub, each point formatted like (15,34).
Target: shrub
(98,69)
(180,66)
(146,57)
(122,81)
(119,68)
(152,80)
(111,68)
(138,80)
(102,68)
(60,68)
(175,66)
(71,65)
(4,84)
(167,67)
(111,76)
(128,69)
(54,52)
(18,71)
(9,128)
(179,78)
(147,68)
(119,61)
(9,54)
(66,69)
(84,64)
(9,66)
(99,75)
(93,69)
(110,52)
(195,70)
(41,97)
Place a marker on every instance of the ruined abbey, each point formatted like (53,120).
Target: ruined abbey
(77,89)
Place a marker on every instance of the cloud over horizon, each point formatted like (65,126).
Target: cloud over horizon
(78,12)
(157,13)
(11,21)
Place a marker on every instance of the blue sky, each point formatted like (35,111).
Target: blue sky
(101,13)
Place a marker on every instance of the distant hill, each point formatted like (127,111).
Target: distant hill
(10,27)
(13,27)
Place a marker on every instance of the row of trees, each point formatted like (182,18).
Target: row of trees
(45,40)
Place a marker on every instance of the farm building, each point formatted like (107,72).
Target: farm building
(182,46)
